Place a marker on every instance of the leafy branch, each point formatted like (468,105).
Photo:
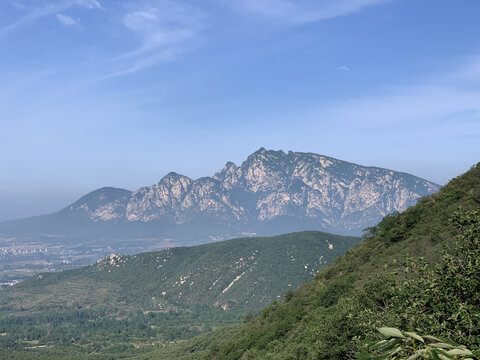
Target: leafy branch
(410,346)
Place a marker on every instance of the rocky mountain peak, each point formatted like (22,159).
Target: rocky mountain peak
(107,203)
(229,175)
(173,177)
(323,192)
(265,170)
(263,154)
(227,169)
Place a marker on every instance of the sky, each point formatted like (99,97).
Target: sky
(118,93)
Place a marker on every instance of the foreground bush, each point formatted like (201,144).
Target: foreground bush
(410,346)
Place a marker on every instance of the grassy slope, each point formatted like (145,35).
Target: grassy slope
(327,317)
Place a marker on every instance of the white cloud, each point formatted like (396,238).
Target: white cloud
(17,5)
(344,68)
(410,105)
(141,63)
(90,4)
(296,12)
(469,74)
(165,29)
(52,8)
(448,102)
(66,20)
(165,24)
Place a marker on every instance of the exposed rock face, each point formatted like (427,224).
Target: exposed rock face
(104,204)
(333,195)
(164,199)
(178,197)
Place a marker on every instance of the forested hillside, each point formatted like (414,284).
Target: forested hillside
(416,271)
(123,302)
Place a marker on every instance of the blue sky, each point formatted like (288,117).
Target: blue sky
(118,93)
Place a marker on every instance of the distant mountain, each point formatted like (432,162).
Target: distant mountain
(271,192)
(104,204)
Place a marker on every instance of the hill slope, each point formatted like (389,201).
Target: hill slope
(170,294)
(247,273)
(333,316)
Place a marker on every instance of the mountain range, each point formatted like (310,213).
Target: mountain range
(271,192)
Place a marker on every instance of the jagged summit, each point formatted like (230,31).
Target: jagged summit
(265,154)
(172,176)
(301,190)
(270,192)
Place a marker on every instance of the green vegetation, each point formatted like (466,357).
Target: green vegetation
(103,329)
(409,345)
(124,305)
(418,269)
(445,299)
(261,269)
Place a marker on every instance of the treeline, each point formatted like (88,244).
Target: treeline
(104,330)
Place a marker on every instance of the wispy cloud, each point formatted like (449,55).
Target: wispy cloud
(344,68)
(164,29)
(434,105)
(66,20)
(142,62)
(296,12)
(17,5)
(52,8)
(90,4)
(439,102)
